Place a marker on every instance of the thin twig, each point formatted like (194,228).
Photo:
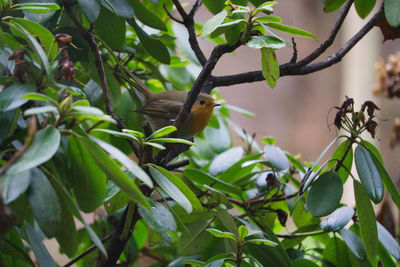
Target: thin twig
(171,16)
(90,39)
(289,69)
(294,56)
(177,165)
(88,251)
(188,21)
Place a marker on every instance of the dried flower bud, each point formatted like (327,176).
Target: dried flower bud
(338,120)
(21,66)
(371,107)
(282,216)
(67,69)
(371,127)
(63,39)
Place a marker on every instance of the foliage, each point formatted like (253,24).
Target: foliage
(70,144)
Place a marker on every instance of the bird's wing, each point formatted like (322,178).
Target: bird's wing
(169,110)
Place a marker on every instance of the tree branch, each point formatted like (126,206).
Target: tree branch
(188,21)
(290,69)
(89,37)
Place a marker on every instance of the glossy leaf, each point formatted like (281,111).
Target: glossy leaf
(44,203)
(332,5)
(11,97)
(36,7)
(391,187)
(171,189)
(392,12)
(42,255)
(204,178)
(194,201)
(41,150)
(126,161)
(385,258)
(173,140)
(162,132)
(91,9)
(160,220)
(354,243)
(269,66)
(369,174)
(303,263)
(44,35)
(40,110)
(364,7)
(225,160)
(338,219)
(122,7)
(13,185)
(214,6)
(39,97)
(13,246)
(266,41)
(114,172)
(88,180)
(110,28)
(153,46)
(367,219)
(387,240)
(221,234)
(325,194)
(213,23)
(268,19)
(261,241)
(276,157)
(291,30)
(266,7)
(146,16)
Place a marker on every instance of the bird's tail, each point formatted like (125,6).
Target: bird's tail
(139,85)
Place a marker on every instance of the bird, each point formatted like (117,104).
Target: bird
(161,109)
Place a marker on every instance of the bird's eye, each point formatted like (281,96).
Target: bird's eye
(202,102)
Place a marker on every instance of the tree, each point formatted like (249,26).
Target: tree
(70,143)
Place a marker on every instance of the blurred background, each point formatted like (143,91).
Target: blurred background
(299,112)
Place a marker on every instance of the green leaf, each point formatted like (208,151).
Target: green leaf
(194,201)
(41,150)
(110,28)
(36,7)
(172,189)
(40,110)
(42,255)
(269,66)
(64,194)
(39,97)
(392,12)
(114,172)
(391,187)
(153,46)
(266,7)
(369,174)
(34,44)
(156,145)
(225,160)
(13,246)
(173,140)
(385,258)
(88,180)
(259,241)
(146,16)
(388,241)
(266,41)
(364,7)
(44,203)
(354,243)
(367,219)
(204,178)
(121,7)
(291,30)
(213,23)
(13,185)
(126,161)
(332,5)
(44,35)
(160,220)
(268,19)
(243,231)
(221,234)
(276,157)
(11,97)
(214,6)
(338,219)
(91,9)
(116,133)
(345,168)
(162,132)
(325,194)
(303,263)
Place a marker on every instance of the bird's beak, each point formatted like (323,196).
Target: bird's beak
(216,104)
